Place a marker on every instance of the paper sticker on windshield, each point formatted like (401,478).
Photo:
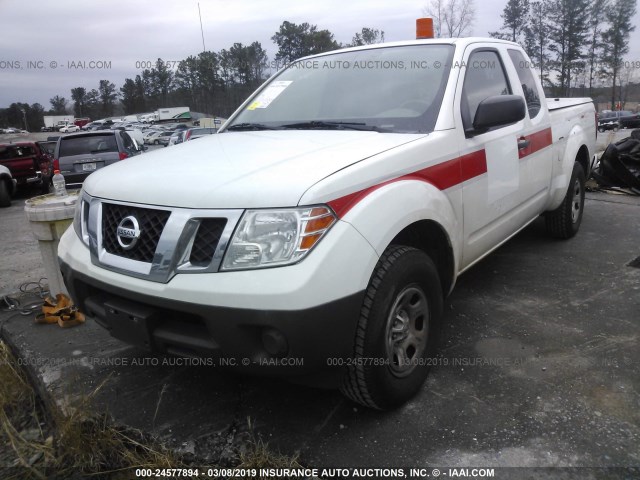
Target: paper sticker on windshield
(269,94)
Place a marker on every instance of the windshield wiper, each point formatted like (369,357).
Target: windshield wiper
(320,125)
(249,126)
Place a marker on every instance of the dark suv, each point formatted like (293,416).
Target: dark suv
(611,119)
(630,121)
(78,155)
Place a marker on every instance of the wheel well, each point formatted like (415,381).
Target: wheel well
(431,238)
(583,159)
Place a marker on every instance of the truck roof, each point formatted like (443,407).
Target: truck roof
(463,42)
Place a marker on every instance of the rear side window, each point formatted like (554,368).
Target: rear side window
(88,144)
(25,151)
(7,153)
(529,87)
(484,78)
(127,142)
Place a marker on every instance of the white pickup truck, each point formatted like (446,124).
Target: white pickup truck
(323,226)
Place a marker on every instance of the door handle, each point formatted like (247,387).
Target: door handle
(523,143)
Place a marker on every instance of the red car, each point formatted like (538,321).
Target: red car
(29,163)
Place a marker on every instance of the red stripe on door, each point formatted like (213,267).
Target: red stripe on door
(537,141)
(443,175)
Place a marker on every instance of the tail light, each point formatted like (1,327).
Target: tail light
(596,117)
(123,155)
(56,164)
(187,136)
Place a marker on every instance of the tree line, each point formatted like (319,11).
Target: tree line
(210,82)
(575,45)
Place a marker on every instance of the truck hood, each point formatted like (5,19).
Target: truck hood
(238,169)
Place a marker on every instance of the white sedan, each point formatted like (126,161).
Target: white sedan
(70,128)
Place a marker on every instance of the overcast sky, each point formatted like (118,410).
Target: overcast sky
(50,34)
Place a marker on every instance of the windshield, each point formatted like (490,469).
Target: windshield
(393,89)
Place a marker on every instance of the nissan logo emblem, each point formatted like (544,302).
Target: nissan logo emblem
(128,232)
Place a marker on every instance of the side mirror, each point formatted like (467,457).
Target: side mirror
(498,111)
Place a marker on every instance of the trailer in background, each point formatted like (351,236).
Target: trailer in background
(53,123)
(207,122)
(173,114)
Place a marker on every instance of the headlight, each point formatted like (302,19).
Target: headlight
(270,238)
(80,219)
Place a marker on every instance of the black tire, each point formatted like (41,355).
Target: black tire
(564,222)
(46,185)
(635,134)
(404,276)
(5,195)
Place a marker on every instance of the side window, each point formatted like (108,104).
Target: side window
(126,141)
(484,78)
(529,87)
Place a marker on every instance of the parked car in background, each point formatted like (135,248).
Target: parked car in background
(29,163)
(194,133)
(69,128)
(163,138)
(610,119)
(176,138)
(630,121)
(177,126)
(151,137)
(81,122)
(10,130)
(7,186)
(100,125)
(79,155)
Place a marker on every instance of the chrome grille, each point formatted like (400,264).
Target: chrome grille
(151,222)
(170,240)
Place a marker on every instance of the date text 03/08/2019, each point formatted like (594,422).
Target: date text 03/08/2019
(317,473)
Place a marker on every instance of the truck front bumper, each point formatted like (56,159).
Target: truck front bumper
(279,321)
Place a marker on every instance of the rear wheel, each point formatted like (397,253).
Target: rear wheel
(397,330)
(564,222)
(5,196)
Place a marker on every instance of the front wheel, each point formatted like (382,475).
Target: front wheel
(564,222)
(397,330)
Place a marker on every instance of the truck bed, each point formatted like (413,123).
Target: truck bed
(560,103)
(568,116)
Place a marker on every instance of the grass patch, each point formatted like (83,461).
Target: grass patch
(39,444)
